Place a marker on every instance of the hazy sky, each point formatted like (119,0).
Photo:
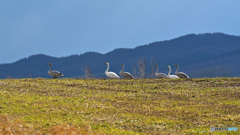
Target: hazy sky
(66,27)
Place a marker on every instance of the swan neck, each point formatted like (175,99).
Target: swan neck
(107,68)
(157,70)
(177,69)
(122,68)
(169,71)
(50,68)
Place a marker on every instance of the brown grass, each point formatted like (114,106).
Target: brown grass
(138,106)
(8,127)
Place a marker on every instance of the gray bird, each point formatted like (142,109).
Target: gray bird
(180,74)
(125,75)
(160,75)
(54,74)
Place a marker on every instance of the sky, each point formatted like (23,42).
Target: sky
(67,27)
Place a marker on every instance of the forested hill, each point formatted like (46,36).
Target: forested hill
(201,55)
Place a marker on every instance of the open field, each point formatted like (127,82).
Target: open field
(138,106)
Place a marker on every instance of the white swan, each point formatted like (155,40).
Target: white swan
(171,76)
(180,74)
(125,74)
(160,75)
(111,75)
(54,74)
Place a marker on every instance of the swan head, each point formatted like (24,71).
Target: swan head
(176,65)
(107,63)
(168,67)
(49,63)
(122,65)
(155,66)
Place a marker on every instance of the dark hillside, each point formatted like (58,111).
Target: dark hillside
(202,55)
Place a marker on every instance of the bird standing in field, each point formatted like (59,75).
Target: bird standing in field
(160,75)
(111,75)
(125,74)
(171,76)
(54,74)
(180,74)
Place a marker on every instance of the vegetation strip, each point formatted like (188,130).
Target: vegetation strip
(118,106)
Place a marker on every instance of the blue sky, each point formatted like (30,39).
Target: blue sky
(65,27)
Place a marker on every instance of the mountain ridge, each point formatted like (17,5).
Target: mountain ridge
(193,52)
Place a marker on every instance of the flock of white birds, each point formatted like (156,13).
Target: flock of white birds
(127,75)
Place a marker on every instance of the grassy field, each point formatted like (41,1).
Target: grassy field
(138,106)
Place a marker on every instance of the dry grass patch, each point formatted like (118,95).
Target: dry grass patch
(8,127)
(137,106)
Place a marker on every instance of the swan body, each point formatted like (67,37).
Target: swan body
(180,74)
(54,74)
(171,76)
(125,74)
(111,75)
(160,75)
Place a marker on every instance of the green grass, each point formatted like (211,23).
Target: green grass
(138,106)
